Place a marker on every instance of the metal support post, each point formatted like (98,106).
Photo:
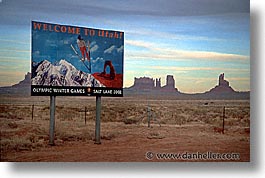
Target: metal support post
(52,120)
(32,112)
(98,113)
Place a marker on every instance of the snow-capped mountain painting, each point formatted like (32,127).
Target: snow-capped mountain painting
(61,74)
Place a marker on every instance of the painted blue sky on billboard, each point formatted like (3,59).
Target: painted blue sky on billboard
(55,46)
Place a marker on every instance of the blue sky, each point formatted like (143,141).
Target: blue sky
(194,40)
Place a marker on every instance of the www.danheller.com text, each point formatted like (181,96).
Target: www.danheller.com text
(206,156)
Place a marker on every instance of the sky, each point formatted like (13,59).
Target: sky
(193,40)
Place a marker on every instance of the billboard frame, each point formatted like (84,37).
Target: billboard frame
(101,79)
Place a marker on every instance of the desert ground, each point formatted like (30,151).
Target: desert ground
(177,127)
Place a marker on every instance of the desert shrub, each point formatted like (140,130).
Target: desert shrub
(45,108)
(181,119)
(16,143)
(130,120)
(12,125)
(155,135)
(108,136)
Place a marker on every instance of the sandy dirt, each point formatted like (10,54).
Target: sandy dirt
(125,136)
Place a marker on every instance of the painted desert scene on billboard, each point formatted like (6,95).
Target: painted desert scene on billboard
(138,81)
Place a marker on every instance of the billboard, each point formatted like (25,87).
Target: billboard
(76,61)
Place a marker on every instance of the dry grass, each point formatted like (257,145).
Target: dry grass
(20,132)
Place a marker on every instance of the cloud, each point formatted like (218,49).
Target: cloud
(40,9)
(15,41)
(14,50)
(173,68)
(98,60)
(93,43)
(172,36)
(37,52)
(238,79)
(94,48)
(13,59)
(110,49)
(143,44)
(163,53)
(120,49)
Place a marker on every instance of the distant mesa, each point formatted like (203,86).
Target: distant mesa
(22,88)
(25,82)
(223,86)
(170,85)
(154,85)
(223,91)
